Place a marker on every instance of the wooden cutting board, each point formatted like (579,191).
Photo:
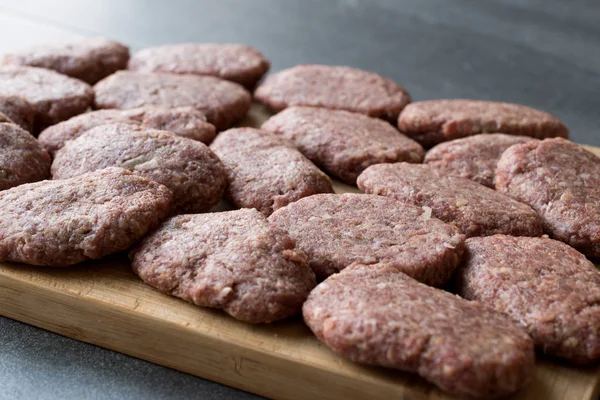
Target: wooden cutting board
(105,304)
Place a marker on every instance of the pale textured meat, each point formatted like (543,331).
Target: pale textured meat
(377,315)
(341,142)
(18,110)
(235,261)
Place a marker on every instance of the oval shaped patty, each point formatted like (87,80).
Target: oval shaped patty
(233,62)
(336,87)
(187,167)
(235,261)
(374,314)
(475,209)
(18,110)
(561,181)
(60,223)
(88,59)
(22,159)
(222,102)
(266,172)
(434,121)
(341,142)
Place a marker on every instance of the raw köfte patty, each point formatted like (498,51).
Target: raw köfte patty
(340,88)
(89,59)
(561,181)
(22,159)
(18,110)
(475,209)
(474,157)
(341,142)
(337,230)
(183,121)
(189,168)
(235,261)
(222,102)
(60,223)
(54,97)
(377,315)
(434,121)
(548,288)
(265,171)
(233,62)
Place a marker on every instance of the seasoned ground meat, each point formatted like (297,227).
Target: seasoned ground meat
(183,121)
(474,157)
(89,59)
(18,110)
(337,230)
(235,261)
(435,121)
(341,142)
(189,168)
(340,88)
(266,172)
(60,223)
(54,97)
(475,209)
(561,181)
(548,288)
(234,62)
(22,159)
(221,101)
(374,314)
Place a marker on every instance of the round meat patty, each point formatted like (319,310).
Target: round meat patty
(60,223)
(341,142)
(337,230)
(375,314)
(222,102)
(89,59)
(340,88)
(434,121)
(234,261)
(474,157)
(233,62)
(54,97)
(22,159)
(548,288)
(18,110)
(187,167)
(475,209)
(561,181)
(182,121)
(266,172)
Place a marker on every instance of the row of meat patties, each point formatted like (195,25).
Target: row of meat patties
(468,247)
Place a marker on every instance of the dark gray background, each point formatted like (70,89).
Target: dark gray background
(543,53)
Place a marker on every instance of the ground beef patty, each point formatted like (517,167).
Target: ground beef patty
(18,110)
(549,289)
(234,62)
(473,157)
(561,181)
(60,223)
(374,314)
(337,230)
(183,121)
(189,168)
(341,142)
(222,102)
(89,59)
(266,172)
(22,159)
(235,261)
(435,121)
(341,88)
(475,209)
(54,97)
